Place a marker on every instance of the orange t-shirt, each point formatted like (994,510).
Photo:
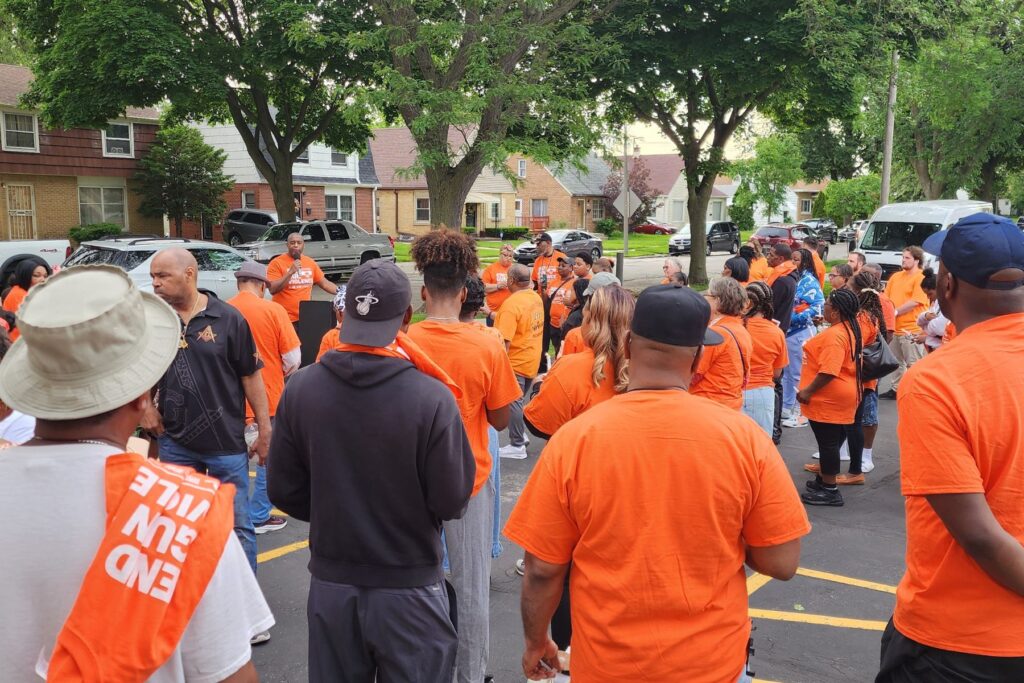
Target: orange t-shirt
(768,352)
(950,334)
(329,341)
(673,604)
(568,390)
(573,342)
(869,333)
(546,268)
(299,287)
(759,269)
(561,298)
(725,368)
(12,302)
(496,274)
(784,268)
(831,352)
(904,287)
(274,337)
(819,267)
(959,431)
(521,323)
(476,361)
(888,313)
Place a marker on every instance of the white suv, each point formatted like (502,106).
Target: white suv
(134,253)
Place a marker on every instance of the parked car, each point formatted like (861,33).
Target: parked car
(824,229)
(569,242)
(246,225)
(792,234)
(133,254)
(653,227)
(338,247)
(52,252)
(1020,222)
(721,236)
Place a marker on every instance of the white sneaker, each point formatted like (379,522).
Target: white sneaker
(786,413)
(866,466)
(817,455)
(844,452)
(513,452)
(260,638)
(521,567)
(795,422)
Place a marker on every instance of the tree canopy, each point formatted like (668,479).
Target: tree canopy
(777,164)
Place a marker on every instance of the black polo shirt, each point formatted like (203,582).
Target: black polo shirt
(201,397)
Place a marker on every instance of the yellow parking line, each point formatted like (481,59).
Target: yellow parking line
(283,550)
(755,581)
(819,619)
(848,580)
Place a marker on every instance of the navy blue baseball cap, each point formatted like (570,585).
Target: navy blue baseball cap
(674,315)
(976,246)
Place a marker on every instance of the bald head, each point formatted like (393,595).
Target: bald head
(174,273)
(518,277)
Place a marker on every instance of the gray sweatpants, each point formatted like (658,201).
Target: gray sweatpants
(469,556)
(388,635)
(516,425)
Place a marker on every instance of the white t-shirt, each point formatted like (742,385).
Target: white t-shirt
(17,427)
(54,498)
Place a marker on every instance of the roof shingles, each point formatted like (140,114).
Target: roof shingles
(15,81)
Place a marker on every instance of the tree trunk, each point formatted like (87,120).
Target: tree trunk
(698,198)
(448,188)
(283,188)
(987,187)
(178,226)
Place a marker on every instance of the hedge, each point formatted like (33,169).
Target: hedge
(507,233)
(95,231)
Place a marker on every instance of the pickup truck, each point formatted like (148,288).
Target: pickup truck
(12,252)
(338,247)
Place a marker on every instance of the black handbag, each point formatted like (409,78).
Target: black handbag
(877,360)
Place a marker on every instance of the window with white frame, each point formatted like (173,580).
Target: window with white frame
(339,207)
(805,206)
(422,209)
(495,211)
(101,205)
(597,209)
(117,140)
(304,157)
(522,168)
(539,207)
(20,132)
(338,158)
(678,210)
(248,200)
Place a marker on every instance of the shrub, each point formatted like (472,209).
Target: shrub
(509,233)
(95,231)
(606,226)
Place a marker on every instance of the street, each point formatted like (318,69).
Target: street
(824,625)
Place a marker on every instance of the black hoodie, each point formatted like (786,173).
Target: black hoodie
(373,453)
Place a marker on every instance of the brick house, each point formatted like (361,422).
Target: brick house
(559,197)
(52,180)
(327,183)
(404,202)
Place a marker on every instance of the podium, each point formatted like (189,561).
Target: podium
(315,318)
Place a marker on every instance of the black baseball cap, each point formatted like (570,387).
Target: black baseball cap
(543,237)
(977,246)
(674,315)
(377,297)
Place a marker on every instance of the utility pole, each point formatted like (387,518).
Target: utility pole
(625,189)
(890,124)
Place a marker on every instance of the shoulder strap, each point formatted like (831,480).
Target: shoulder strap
(743,360)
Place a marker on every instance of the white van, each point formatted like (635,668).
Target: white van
(894,227)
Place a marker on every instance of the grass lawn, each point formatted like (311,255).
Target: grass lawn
(639,245)
(487,249)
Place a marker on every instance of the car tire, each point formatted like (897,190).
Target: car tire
(825,255)
(368,256)
(595,253)
(833,238)
(234,239)
(707,249)
(735,247)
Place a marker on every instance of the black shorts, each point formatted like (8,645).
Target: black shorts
(907,661)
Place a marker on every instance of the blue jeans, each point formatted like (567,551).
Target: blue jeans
(492,446)
(259,504)
(230,469)
(791,375)
(759,405)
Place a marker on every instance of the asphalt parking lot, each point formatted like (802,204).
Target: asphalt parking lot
(824,625)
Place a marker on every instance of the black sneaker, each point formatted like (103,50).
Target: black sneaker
(815,484)
(273,523)
(830,497)
(889,395)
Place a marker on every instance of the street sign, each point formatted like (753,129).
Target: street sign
(619,203)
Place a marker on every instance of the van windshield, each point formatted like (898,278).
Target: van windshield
(896,236)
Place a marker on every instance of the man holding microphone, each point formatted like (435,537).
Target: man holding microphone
(292,276)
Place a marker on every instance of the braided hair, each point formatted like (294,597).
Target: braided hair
(845,303)
(806,261)
(866,285)
(760,296)
(445,257)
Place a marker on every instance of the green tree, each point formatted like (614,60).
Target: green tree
(13,45)
(475,81)
(777,164)
(741,211)
(282,71)
(182,177)
(851,199)
(639,184)
(699,69)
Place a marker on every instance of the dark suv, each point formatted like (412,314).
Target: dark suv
(824,229)
(247,225)
(723,236)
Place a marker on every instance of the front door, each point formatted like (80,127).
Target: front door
(581,221)
(471,211)
(21,212)
(519,213)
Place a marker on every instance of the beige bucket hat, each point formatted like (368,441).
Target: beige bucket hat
(90,342)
